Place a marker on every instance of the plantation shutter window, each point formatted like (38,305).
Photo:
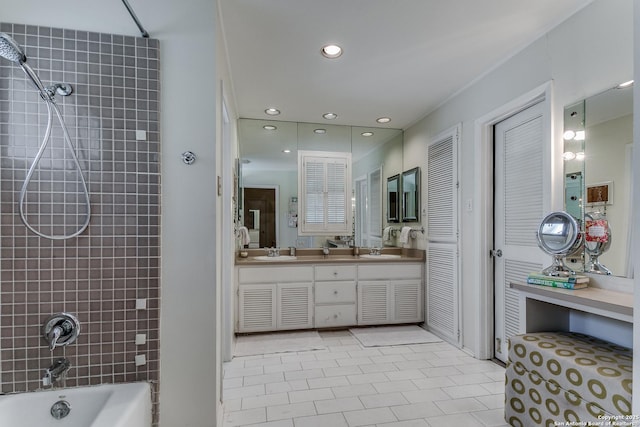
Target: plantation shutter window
(325,192)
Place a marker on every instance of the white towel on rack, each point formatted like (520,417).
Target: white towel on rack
(404,235)
(243,234)
(386,234)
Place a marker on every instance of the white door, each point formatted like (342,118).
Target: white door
(442,310)
(518,209)
(362,230)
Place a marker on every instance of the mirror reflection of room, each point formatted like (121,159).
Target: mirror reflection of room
(268,151)
(598,135)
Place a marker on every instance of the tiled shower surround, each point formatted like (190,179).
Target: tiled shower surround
(99,275)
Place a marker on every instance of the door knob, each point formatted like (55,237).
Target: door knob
(495,253)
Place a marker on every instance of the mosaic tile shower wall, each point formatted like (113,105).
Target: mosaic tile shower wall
(112,118)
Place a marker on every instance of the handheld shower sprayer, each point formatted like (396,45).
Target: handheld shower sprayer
(12,51)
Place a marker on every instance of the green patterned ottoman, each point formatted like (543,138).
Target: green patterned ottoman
(563,378)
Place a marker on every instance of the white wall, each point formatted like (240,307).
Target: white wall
(636,208)
(586,54)
(190,361)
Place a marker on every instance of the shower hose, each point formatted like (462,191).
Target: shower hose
(51,107)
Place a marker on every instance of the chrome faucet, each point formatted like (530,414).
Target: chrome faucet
(273,252)
(57,371)
(375,251)
(61,329)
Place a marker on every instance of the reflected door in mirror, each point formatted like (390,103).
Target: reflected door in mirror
(410,195)
(260,218)
(393,202)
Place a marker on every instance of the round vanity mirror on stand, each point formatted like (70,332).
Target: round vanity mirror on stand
(597,241)
(559,236)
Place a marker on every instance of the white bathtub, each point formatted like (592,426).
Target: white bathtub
(107,405)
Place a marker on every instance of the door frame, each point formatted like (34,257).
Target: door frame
(483,194)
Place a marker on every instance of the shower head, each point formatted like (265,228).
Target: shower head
(10,50)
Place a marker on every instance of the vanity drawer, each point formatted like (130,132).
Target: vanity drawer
(335,292)
(335,272)
(275,274)
(328,316)
(389,271)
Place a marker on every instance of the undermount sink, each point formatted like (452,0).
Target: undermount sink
(381,256)
(275,258)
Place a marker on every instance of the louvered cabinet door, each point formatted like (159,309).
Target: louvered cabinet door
(373,302)
(295,306)
(407,301)
(257,308)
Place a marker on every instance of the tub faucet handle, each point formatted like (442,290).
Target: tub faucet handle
(61,329)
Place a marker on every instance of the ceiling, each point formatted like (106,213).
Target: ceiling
(402,59)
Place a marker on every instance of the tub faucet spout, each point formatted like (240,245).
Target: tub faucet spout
(57,371)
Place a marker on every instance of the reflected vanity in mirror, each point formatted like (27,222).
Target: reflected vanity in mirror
(269,157)
(598,137)
(393,199)
(411,195)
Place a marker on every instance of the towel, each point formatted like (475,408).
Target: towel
(404,235)
(386,234)
(243,234)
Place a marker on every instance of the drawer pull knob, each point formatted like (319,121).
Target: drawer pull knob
(335,273)
(335,316)
(335,292)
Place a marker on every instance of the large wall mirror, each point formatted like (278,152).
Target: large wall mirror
(269,179)
(598,140)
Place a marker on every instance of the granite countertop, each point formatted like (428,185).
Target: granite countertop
(336,256)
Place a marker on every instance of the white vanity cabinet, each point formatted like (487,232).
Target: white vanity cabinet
(390,293)
(335,295)
(275,298)
(323,295)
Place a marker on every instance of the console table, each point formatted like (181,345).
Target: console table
(603,311)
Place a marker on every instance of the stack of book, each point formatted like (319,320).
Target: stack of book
(570,282)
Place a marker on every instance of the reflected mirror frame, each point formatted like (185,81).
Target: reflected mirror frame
(393,209)
(415,211)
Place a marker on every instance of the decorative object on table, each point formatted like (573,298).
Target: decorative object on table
(565,282)
(559,236)
(597,241)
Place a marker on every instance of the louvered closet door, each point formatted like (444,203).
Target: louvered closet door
(442,287)
(518,198)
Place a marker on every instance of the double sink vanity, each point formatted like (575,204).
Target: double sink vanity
(314,290)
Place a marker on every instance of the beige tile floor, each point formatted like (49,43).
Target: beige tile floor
(348,385)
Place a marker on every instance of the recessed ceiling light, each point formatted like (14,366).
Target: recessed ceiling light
(569,134)
(331,51)
(580,135)
(330,116)
(383,120)
(367,134)
(286,151)
(269,127)
(320,131)
(272,111)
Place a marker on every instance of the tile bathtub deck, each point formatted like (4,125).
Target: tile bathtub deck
(348,385)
